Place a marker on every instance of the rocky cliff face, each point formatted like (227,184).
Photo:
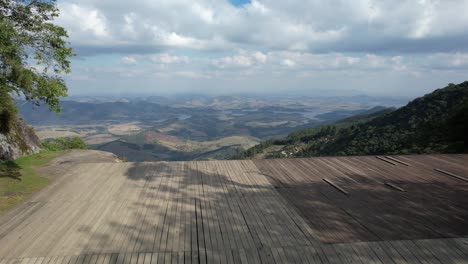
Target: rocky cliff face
(20,140)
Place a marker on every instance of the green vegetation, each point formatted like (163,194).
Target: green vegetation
(33,54)
(63,143)
(434,123)
(18,180)
(8,112)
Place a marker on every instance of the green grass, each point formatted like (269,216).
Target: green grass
(18,180)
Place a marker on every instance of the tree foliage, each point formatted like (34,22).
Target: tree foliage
(64,144)
(34,54)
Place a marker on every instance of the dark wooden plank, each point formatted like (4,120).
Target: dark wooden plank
(451,174)
(336,186)
(394,186)
(386,160)
(397,160)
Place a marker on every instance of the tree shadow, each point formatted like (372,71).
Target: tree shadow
(242,209)
(10,169)
(208,209)
(378,205)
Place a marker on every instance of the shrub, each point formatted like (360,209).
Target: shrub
(64,144)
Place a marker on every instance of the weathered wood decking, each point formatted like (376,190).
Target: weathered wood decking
(266,211)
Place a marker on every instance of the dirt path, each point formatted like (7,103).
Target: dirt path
(62,164)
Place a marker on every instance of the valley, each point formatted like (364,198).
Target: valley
(192,127)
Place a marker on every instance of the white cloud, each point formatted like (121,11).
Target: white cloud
(193,75)
(176,40)
(333,25)
(288,63)
(447,61)
(84,23)
(268,42)
(260,57)
(166,58)
(205,14)
(241,60)
(129,60)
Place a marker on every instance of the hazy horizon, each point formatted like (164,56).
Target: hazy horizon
(262,95)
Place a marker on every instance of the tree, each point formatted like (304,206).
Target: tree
(33,54)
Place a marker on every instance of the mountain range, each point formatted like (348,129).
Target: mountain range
(434,123)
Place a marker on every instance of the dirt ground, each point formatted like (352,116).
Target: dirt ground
(62,164)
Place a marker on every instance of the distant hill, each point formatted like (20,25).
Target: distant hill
(86,113)
(434,123)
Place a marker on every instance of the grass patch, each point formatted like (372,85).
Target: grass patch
(18,179)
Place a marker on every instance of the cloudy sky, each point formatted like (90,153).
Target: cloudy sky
(376,47)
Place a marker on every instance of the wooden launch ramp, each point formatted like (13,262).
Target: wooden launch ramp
(386,209)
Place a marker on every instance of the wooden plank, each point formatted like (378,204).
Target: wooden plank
(334,185)
(396,187)
(346,253)
(404,251)
(160,236)
(235,256)
(392,252)
(134,258)
(65,260)
(79,260)
(147,258)
(33,260)
(451,174)
(176,243)
(452,252)
(304,255)
(243,234)
(313,255)
(266,255)
(106,259)
(380,252)
(283,255)
(201,246)
(251,222)
(222,210)
(455,245)
(167,258)
(330,253)
(154,258)
(365,253)
(151,217)
(423,251)
(236,209)
(193,229)
(86,260)
(386,160)
(101,258)
(94,259)
(41,260)
(397,160)
(113,258)
(276,256)
(161,256)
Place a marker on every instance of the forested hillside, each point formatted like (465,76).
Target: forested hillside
(434,123)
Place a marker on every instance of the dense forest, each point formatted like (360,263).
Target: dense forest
(434,123)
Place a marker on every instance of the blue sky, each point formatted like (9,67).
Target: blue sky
(239,2)
(375,47)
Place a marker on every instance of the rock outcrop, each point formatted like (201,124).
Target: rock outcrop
(20,140)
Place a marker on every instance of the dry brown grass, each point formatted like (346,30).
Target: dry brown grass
(125,129)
